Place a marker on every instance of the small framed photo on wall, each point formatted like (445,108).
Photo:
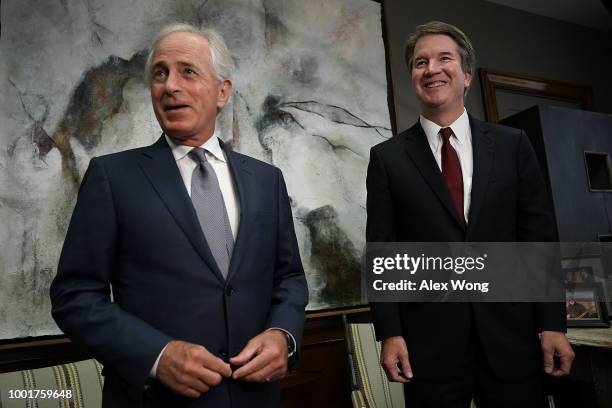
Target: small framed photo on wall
(590,271)
(585,305)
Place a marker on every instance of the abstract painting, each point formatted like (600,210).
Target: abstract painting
(310,96)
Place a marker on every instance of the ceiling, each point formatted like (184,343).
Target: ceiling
(590,13)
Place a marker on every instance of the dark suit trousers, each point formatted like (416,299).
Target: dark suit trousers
(477,381)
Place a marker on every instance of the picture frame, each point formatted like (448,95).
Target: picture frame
(585,305)
(505,93)
(606,254)
(588,270)
(579,275)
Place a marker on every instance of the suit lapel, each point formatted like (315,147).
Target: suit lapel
(420,152)
(241,175)
(482,147)
(160,167)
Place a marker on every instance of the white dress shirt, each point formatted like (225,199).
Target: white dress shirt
(462,143)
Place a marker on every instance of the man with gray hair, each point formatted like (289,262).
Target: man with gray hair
(196,243)
(453,178)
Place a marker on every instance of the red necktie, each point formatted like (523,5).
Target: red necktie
(451,171)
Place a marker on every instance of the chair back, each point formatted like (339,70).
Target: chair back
(371,389)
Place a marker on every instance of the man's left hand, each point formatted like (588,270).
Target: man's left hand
(555,344)
(263,359)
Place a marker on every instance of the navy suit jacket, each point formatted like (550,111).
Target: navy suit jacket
(134,229)
(409,201)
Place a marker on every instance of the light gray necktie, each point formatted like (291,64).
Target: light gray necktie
(209,205)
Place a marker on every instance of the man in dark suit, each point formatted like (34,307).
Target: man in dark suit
(197,246)
(452,178)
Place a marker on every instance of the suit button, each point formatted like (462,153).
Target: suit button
(229,291)
(223,353)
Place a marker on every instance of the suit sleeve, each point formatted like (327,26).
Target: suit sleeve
(81,291)
(536,224)
(290,293)
(380,227)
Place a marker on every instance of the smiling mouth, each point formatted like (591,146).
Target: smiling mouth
(435,84)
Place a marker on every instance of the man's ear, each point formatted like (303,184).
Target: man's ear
(467,79)
(224,90)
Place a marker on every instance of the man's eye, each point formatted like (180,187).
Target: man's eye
(419,63)
(159,74)
(189,71)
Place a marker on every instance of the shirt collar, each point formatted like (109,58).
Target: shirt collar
(211,145)
(460,127)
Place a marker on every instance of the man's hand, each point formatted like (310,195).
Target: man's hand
(554,344)
(189,369)
(264,358)
(394,353)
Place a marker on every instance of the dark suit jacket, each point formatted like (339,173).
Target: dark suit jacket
(134,228)
(408,201)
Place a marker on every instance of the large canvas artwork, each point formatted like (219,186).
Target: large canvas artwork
(310,97)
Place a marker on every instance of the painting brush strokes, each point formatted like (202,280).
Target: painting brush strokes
(310,97)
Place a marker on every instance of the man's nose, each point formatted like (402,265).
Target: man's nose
(432,68)
(173,82)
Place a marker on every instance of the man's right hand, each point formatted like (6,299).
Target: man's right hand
(189,369)
(394,355)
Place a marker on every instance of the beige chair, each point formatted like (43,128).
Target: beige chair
(371,389)
(82,379)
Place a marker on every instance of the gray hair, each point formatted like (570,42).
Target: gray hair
(466,49)
(220,57)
